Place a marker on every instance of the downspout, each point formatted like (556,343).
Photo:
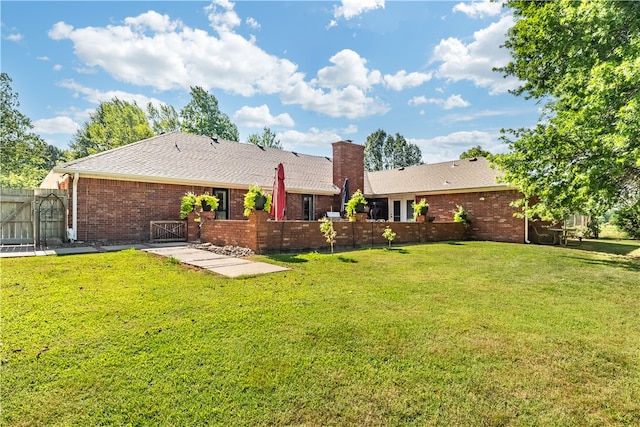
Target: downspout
(73,231)
(526,223)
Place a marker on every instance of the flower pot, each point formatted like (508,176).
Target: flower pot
(260,202)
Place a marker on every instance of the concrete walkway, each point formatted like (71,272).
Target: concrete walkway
(220,264)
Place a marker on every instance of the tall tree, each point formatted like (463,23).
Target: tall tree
(24,155)
(583,60)
(267,139)
(373,150)
(202,116)
(114,123)
(382,151)
(476,151)
(163,120)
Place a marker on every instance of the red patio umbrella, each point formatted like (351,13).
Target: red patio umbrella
(279,195)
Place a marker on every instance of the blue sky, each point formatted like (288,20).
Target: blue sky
(314,72)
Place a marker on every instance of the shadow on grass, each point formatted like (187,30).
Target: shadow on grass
(611,247)
(347,260)
(290,258)
(615,247)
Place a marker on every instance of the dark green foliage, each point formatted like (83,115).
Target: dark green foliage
(114,123)
(202,116)
(627,219)
(267,139)
(382,151)
(581,58)
(163,120)
(476,151)
(25,158)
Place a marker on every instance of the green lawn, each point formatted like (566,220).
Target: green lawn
(458,334)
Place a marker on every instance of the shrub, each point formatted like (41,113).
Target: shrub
(627,220)
(461,215)
(389,235)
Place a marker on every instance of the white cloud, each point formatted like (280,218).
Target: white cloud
(294,140)
(350,102)
(351,129)
(418,100)
(261,116)
(57,67)
(179,58)
(56,125)
(402,79)
(42,58)
(252,23)
(449,147)
(479,9)
(154,22)
(222,16)
(454,101)
(15,37)
(348,69)
(352,8)
(155,51)
(475,61)
(95,96)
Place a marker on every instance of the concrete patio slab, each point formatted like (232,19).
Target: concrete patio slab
(75,251)
(116,248)
(220,264)
(248,269)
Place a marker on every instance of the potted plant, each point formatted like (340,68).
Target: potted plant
(420,209)
(355,205)
(256,200)
(198,204)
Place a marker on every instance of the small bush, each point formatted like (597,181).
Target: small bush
(461,215)
(627,220)
(389,235)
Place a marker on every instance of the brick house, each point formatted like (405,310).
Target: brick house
(114,195)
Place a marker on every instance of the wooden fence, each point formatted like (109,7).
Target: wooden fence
(33,216)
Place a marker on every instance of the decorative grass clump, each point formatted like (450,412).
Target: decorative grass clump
(470,333)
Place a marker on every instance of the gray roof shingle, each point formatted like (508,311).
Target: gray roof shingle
(454,176)
(192,159)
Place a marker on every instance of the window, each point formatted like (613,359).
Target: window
(223,205)
(409,210)
(307,207)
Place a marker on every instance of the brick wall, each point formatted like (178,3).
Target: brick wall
(490,214)
(265,236)
(110,210)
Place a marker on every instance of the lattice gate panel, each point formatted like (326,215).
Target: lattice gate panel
(168,231)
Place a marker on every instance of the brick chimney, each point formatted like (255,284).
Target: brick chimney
(348,162)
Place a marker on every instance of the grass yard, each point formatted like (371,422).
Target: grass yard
(458,334)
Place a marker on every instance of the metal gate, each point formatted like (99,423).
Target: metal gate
(33,216)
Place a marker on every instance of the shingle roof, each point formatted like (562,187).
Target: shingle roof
(192,159)
(453,176)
